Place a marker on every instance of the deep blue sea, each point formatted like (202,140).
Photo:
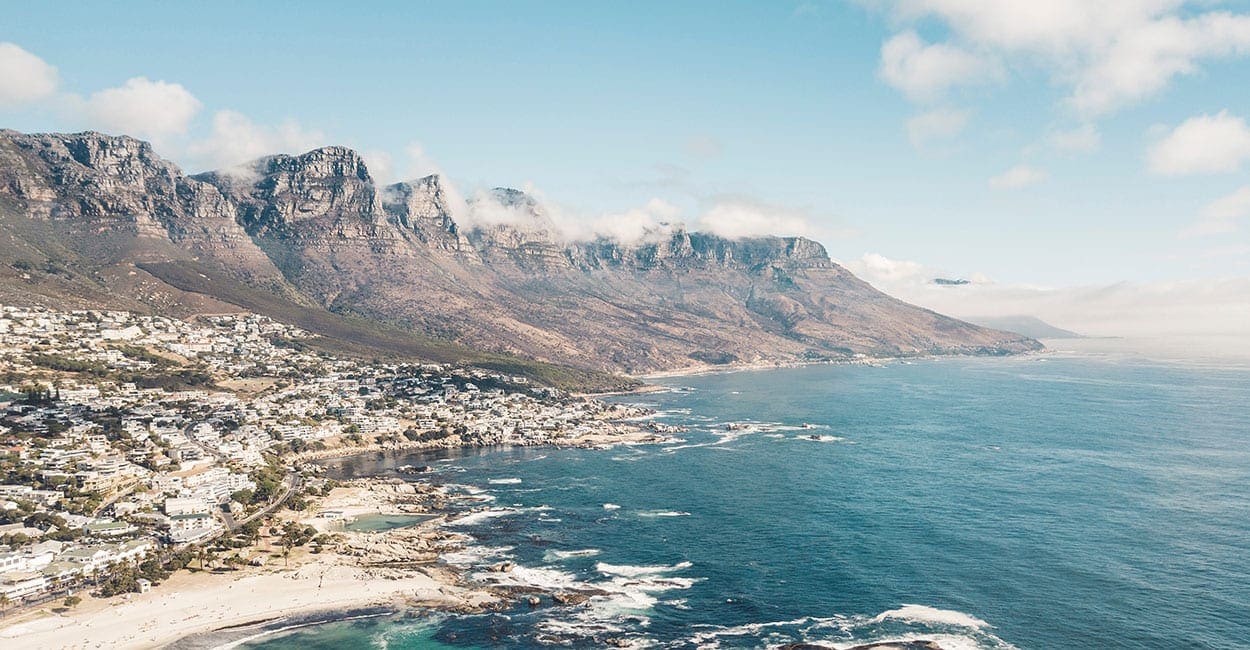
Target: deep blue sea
(1054,501)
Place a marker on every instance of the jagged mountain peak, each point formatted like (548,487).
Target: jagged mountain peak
(424,207)
(494,273)
(91,151)
(324,162)
(513,198)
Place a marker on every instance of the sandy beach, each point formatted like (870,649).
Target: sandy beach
(202,601)
(192,603)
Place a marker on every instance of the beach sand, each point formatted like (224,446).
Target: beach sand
(188,604)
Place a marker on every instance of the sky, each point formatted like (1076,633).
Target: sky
(1070,158)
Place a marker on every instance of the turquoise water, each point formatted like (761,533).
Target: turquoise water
(1047,502)
(378,522)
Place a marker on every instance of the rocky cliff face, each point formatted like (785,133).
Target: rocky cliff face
(316,227)
(111,200)
(423,207)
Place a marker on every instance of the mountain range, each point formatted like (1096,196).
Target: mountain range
(1031,326)
(93,220)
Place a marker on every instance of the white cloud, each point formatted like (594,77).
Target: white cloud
(728,216)
(1222,214)
(143,108)
(1107,53)
(485,209)
(235,140)
(416,164)
(879,269)
(1143,60)
(1189,313)
(736,217)
(381,166)
(544,218)
(24,77)
(924,72)
(937,124)
(1018,177)
(650,222)
(1082,139)
(1054,27)
(420,164)
(1206,144)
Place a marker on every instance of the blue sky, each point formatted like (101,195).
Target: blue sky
(1022,144)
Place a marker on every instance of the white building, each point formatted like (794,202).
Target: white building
(176,506)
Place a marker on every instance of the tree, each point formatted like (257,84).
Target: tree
(44,521)
(251,530)
(72,601)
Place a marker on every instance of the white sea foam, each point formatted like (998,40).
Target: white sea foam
(633,571)
(821,438)
(504,481)
(545,578)
(844,631)
(663,513)
(230,645)
(475,555)
(474,518)
(709,638)
(554,555)
(620,605)
(931,615)
(653,584)
(943,641)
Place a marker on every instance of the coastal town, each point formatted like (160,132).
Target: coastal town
(134,446)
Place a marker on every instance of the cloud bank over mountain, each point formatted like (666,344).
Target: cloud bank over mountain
(1195,311)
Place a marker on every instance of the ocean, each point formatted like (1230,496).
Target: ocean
(1053,501)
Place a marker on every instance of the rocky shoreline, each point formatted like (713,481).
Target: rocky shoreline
(402,552)
(624,425)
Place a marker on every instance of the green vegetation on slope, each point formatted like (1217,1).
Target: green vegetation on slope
(358,337)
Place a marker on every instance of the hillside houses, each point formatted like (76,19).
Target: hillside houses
(125,434)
